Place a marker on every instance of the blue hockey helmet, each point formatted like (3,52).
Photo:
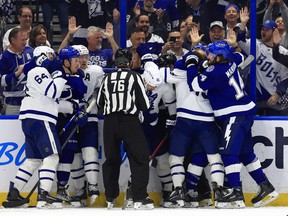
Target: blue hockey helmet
(219,48)
(68,52)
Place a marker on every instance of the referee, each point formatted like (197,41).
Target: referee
(121,97)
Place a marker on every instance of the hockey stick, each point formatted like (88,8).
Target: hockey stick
(246,62)
(151,157)
(76,127)
(13,204)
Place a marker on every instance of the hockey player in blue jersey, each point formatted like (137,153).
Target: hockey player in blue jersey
(196,132)
(234,113)
(69,105)
(87,136)
(38,113)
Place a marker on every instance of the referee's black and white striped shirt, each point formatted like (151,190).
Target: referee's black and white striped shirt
(122,91)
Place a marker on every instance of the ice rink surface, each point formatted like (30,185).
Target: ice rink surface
(264,211)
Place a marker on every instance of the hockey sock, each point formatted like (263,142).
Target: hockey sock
(164,172)
(232,169)
(253,166)
(177,170)
(63,173)
(47,171)
(91,164)
(77,172)
(25,172)
(217,168)
(195,169)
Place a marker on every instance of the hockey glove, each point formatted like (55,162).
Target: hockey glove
(82,118)
(43,61)
(190,59)
(170,123)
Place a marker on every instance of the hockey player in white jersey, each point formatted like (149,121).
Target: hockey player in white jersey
(270,74)
(195,131)
(234,113)
(158,91)
(38,113)
(87,136)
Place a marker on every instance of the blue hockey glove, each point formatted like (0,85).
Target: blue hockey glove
(82,118)
(190,59)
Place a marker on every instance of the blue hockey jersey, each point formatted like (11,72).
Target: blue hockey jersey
(225,89)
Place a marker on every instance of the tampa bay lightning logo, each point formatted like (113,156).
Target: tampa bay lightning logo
(210,68)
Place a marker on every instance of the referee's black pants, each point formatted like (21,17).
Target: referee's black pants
(118,127)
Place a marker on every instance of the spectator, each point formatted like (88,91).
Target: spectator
(62,10)
(270,74)
(11,70)
(90,13)
(97,55)
(38,37)
(159,20)
(25,18)
(216,31)
(137,37)
(170,6)
(154,41)
(174,45)
(231,16)
(281,21)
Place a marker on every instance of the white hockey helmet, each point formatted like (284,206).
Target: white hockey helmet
(42,53)
(152,76)
(81,49)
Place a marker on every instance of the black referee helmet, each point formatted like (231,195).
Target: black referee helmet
(122,57)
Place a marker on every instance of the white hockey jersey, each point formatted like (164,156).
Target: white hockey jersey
(269,73)
(191,105)
(93,77)
(42,92)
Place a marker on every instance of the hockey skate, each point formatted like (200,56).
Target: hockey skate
(45,200)
(191,199)
(79,198)
(234,199)
(110,203)
(145,204)
(93,193)
(128,200)
(14,199)
(177,197)
(205,199)
(63,195)
(265,194)
(165,202)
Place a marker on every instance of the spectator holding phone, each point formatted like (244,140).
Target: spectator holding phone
(174,45)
